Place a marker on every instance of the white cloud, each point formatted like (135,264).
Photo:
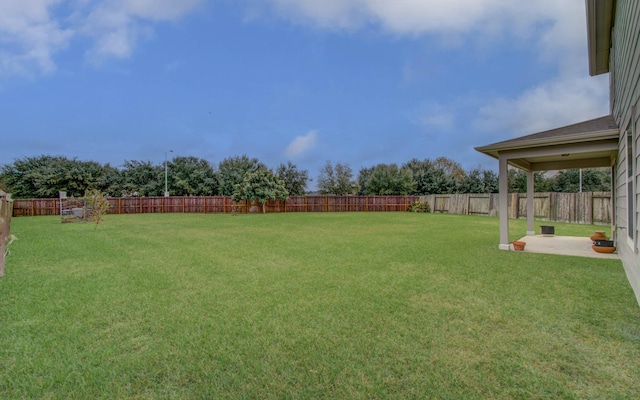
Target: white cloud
(37,29)
(33,31)
(118,25)
(413,17)
(556,30)
(553,104)
(302,144)
(571,96)
(438,119)
(31,36)
(398,16)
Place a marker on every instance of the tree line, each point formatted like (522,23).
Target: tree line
(248,178)
(445,176)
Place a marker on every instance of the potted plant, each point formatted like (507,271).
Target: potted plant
(518,245)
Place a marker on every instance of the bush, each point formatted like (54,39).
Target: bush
(419,207)
(99,205)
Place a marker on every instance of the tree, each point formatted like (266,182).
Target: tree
(142,178)
(261,185)
(490,181)
(449,175)
(232,170)
(192,176)
(450,168)
(472,183)
(596,180)
(110,182)
(389,180)
(30,176)
(363,178)
(294,180)
(421,172)
(44,176)
(478,180)
(518,181)
(593,180)
(336,180)
(76,177)
(431,177)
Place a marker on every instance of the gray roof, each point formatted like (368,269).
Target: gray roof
(587,144)
(602,124)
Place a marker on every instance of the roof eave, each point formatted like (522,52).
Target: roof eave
(495,149)
(600,14)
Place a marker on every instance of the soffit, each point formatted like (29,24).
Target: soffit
(600,18)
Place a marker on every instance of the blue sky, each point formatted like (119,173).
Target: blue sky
(360,82)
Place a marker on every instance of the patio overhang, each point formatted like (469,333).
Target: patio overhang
(587,144)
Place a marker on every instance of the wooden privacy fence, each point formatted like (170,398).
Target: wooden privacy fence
(579,208)
(224,204)
(6,207)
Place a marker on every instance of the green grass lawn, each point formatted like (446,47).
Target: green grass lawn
(340,305)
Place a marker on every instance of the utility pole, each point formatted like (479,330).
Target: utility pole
(166,185)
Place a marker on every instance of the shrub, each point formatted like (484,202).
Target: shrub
(419,207)
(98,206)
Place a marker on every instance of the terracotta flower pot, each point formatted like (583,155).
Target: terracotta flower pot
(518,245)
(598,235)
(602,249)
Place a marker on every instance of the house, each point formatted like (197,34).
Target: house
(613,29)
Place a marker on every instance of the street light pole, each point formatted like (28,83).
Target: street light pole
(580,180)
(166,186)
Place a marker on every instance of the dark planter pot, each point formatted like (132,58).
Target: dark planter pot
(603,243)
(548,230)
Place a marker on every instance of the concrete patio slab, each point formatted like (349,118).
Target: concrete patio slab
(563,245)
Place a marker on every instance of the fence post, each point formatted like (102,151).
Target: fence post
(6,212)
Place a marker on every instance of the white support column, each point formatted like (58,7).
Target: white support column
(530,211)
(503,198)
